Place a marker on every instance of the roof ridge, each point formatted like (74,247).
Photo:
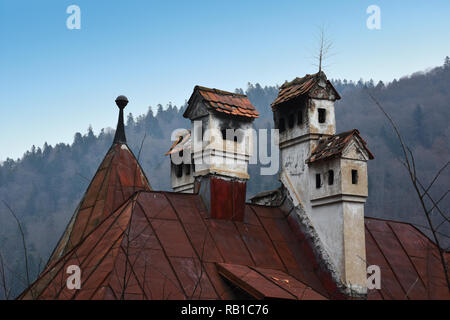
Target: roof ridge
(219,91)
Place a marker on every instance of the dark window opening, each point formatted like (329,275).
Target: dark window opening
(318,181)
(181,154)
(322,115)
(354,176)
(187,169)
(330,177)
(236,136)
(300,117)
(291,121)
(281,125)
(179,170)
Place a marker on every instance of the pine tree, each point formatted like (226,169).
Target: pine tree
(130,120)
(447,62)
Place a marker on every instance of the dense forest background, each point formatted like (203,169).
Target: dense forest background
(44,187)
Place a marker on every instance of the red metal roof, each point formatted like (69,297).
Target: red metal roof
(162,245)
(334,146)
(117,178)
(226,102)
(264,283)
(300,87)
(409,262)
(168,248)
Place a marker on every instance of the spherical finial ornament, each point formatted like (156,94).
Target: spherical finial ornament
(121,101)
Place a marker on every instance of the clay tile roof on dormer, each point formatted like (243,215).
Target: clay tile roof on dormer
(301,87)
(226,102)
(334,145)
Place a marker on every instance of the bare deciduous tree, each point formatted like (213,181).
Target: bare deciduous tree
(324,50)
(422,192)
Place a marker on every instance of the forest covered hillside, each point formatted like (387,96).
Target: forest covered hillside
(44,187)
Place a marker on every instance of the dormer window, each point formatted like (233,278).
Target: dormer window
(322,115)
(354,176)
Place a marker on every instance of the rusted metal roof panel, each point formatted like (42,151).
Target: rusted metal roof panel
(409,261)
(118,177)
(263,283)
(252,282)
(260,246)
(163,245)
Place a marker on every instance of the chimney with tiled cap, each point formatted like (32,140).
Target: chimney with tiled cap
(212,158)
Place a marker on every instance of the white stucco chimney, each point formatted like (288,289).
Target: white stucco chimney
(219,147)
(325,174)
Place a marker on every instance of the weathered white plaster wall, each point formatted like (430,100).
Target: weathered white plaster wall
(336,211)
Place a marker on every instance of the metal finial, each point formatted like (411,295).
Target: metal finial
(121,101)
(120,137)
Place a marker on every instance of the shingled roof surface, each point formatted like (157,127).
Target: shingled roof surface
(162,245)
(301,87)
(333,146)
(227,102)
(117,178)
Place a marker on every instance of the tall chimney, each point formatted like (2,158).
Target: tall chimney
(219,148)
(325,175)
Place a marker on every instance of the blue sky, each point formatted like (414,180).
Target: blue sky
(55,81)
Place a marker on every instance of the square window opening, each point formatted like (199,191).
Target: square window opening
(354,176)
(322,115)
(318,181)
(330,177)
